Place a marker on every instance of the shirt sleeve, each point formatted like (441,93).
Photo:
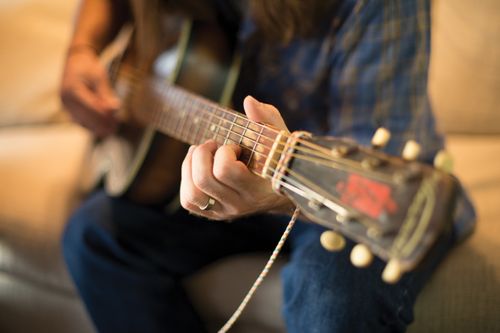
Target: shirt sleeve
(379,78)
(379,75)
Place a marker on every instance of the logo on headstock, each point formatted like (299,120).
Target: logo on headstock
(367,196)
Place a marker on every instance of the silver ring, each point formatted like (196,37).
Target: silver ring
(210,203)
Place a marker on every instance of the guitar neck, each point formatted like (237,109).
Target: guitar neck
(193,119)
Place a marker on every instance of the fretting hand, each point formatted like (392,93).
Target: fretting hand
(216,185)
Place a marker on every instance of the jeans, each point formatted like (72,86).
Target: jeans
(128,263)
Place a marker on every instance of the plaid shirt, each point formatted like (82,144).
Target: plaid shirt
(367,68)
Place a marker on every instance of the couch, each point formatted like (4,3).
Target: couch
(44,163)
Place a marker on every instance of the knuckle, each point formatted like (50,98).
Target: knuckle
(187,202)
(201,181)
(222,171)
(187,197)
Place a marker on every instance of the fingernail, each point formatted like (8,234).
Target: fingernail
(252,98)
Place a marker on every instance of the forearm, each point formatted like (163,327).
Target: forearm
(98,21)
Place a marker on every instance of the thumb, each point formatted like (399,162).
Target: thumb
(107,94)
(263,113)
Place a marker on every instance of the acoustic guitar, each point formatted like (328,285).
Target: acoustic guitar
(394,207)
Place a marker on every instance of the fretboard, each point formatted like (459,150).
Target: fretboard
(193,119)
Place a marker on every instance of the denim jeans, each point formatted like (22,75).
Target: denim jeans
(128,263)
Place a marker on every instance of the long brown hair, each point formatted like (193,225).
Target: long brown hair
(277,20)
(282,20)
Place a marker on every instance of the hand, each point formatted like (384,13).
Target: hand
(87,94)
(211,172)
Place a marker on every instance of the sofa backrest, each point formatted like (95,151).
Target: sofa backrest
(464,73)
(464,77)
(34,37)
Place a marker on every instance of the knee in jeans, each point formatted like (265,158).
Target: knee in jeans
(325,293)
(87,220)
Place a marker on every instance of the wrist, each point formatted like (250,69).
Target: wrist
(286,207)
(79,47)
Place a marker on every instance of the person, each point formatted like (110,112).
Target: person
(338,67)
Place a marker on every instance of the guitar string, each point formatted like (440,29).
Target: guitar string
(210,103)
(238,115)
(243,135)
(311,186)
(215,107)
(314,149)
(338,165)
(289,186)
(346,166)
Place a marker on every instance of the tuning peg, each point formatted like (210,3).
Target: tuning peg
(361,256)
(314,204)
(381,137)
(443,161)
(411,150)
(392,271)
(332,241)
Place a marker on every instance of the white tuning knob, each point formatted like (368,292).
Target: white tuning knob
(392,271)
(361,256)
(381,137)
(411,150)
(443,161)
(332,241)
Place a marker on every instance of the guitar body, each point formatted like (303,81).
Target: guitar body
(143,164)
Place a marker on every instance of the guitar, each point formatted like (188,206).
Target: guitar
(394,207)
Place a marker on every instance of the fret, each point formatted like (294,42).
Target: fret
(217,128)
(164,109)
(180,111)
(165,115)
(185,116)
(194,123)
(170,98)
(209,124)
(230,129)
(198,120)
(191,118)
(255,145)
(247,122)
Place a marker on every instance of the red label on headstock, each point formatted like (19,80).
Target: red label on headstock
(367,196)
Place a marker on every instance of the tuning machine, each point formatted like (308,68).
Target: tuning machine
(379,141)
(361,256)
(332,241)
(443,161)
(392,272)
(380,138)
(343,149)
(411,150)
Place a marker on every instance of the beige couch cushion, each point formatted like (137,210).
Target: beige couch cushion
(34,37)
(40,175)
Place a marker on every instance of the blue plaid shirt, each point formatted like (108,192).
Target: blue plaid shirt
(367,68)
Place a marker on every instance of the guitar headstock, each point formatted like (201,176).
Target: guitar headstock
(394,207)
